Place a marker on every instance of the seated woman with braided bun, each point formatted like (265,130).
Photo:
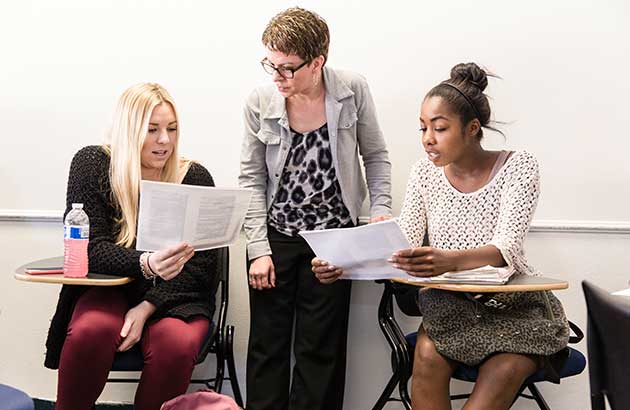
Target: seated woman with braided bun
(166,309)
(476,206)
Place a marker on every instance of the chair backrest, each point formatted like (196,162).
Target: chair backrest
(220,290)
(406,297)
(608,335)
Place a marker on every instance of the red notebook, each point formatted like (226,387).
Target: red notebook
(43,270)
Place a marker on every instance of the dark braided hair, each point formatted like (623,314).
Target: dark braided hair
(463,92)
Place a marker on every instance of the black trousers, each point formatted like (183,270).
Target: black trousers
(321,329)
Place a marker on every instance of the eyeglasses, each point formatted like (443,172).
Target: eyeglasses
(284,72)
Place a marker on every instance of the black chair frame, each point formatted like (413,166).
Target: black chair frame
(402,352)
(608,330)
(221,340)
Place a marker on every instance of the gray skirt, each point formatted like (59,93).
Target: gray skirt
(467,331)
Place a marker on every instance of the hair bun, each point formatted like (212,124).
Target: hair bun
(470,73)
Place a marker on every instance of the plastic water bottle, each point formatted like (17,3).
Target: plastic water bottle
(76,235)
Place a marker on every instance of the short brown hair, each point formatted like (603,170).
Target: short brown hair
(298,31)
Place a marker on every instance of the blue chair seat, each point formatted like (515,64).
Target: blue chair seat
(132,360)
(14,399)
(575,364)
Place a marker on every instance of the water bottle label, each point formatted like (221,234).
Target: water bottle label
(76,232)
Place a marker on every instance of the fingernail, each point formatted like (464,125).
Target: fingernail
(331,267)
(390,260)
(396,265)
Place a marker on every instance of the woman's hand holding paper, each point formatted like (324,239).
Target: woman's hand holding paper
(425,261)
(325,272)
(169,262)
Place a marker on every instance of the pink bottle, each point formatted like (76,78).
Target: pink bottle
(76,235)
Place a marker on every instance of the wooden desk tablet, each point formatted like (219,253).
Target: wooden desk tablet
(520,283)
(92,279)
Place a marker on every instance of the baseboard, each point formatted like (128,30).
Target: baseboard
(50,405)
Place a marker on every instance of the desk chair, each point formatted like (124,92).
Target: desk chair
(608,332)
(402,347)
(14,399)
(219,341)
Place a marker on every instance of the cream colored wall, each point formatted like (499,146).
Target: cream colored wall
(64,63)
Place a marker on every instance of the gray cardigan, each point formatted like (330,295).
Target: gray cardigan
(352,124)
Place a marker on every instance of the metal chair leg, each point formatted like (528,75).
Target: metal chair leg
(542,404)
(403,389)
(387,392)
(229,353)
(404,396)
(401,362)
(598,402)
(220,373)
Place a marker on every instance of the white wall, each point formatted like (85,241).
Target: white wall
(564,92)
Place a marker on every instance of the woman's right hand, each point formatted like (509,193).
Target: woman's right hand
(262,274)
(325,272)
(169,262)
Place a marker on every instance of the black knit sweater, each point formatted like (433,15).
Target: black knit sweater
(186,295)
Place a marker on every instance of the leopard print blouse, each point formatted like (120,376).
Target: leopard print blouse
(309,196)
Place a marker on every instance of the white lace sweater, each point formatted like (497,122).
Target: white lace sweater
(497,214)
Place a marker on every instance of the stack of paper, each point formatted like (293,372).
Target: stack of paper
(485,275)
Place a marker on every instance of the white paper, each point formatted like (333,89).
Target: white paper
(204,217)
(485,275)
(363,251)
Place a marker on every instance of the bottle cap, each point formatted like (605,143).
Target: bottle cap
(77,206)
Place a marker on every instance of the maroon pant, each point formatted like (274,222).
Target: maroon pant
(170,348)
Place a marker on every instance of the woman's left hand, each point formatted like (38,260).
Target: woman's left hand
(135,319)
(425,261)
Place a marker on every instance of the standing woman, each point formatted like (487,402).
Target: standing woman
(303,136)
(166,309)
(475,205)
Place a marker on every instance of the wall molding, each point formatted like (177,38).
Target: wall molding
(580,226)
(571,226)
(540,225)
(30,215)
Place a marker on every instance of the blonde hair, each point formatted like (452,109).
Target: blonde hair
(126,138)
(298,31)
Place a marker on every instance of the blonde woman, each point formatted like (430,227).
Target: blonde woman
(303,137)
(166,309)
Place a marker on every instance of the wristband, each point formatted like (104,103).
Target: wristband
(145,268)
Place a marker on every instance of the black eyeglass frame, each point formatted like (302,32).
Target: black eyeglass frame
(266,64)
